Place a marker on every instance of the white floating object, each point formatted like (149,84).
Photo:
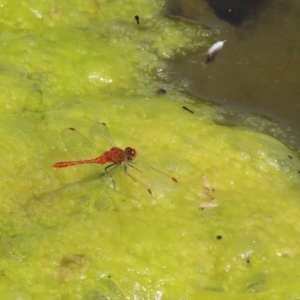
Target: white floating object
(213,50)
(208,205)
(208,189)
(206,183)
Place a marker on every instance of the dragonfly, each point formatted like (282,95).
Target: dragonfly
(77,144)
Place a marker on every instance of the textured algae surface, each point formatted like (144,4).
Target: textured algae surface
(227,230)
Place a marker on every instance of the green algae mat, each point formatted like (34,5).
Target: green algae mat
(227,229)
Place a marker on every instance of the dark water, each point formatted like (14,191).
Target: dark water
(258,71)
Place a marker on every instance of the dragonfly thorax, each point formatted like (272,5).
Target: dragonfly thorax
(130,153)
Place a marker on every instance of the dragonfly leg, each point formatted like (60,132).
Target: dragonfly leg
(126,171)
(108,171)
(130,164)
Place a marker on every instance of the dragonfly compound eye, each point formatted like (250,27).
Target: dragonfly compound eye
(130,153)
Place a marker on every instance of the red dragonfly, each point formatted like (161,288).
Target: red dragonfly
(78,145)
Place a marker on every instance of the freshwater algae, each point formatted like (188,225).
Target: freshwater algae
(65,234)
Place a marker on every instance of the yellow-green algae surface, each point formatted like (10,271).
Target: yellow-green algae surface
(227,230)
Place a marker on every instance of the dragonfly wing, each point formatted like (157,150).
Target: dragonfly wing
(100,136)
(78,145)
(151,177)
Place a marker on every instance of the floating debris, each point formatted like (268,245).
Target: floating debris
(161,92)
(209,190)
(185,108)
(208,193)
(207,205)
(137,19)
(212,51)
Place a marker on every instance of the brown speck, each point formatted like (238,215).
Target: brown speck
(218,237)
(290,156)
(248,260)
(137,18)
(161,92)
(75,259)
(70,265)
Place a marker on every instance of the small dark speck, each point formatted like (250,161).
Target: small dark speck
(137,19)
(291,157)
(109,276)
(248,260)
(185,108)
(219,237)
(161,92)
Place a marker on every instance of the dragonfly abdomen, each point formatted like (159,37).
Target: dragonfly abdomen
(99,160)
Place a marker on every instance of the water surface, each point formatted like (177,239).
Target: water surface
(258,69)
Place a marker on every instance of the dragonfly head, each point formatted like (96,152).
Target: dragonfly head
(130,153)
